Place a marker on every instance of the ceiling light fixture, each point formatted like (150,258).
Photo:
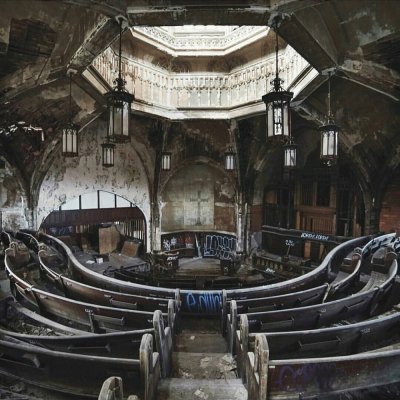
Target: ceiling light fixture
(119,102)
(329,133)
(69,130)
(277,101)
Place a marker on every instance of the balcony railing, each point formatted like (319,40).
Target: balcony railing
(202,95)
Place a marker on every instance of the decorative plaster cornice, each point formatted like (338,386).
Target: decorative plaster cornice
(187,95)
(201,43)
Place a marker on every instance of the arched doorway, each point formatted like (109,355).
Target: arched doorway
(87,216)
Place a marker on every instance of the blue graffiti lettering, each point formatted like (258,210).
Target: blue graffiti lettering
(203,302)
(190,301)
(221,246)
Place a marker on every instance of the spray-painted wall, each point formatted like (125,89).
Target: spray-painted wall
(67,178)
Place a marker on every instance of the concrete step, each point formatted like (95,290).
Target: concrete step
(197,324)
(201,342)
(203,366)
(200,389)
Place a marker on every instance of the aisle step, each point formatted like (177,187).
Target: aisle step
(201,389)
(197,342)
(203,366)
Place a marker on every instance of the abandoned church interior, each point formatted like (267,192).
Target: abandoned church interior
(199,199)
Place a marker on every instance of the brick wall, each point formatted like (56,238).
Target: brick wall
(390,211)
(256,219)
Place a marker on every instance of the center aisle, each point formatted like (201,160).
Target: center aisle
(202,367)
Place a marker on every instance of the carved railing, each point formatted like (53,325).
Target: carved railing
(212,91)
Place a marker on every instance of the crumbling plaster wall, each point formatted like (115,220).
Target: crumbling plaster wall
(198,197)
(13,202)
(68,178)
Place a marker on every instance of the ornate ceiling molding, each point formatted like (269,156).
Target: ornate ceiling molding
(200,42)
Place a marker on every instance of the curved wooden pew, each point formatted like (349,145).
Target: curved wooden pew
(348,275)
(113,389)
(123,344)
(314,278)
(333,261)
(92,316)
(317,377)
(80,291)
(336,340)
(363,303)
(78,374)
(262,304)
(11,311)
(203,300)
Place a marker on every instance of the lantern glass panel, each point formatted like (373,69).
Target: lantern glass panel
(329,142)
(166,162)
(108,154)
(119,111)
(70,140)
(229,161)
(278,125)
(286,120)
(270,121)
(290,157)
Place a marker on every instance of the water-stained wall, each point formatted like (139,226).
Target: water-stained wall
(68,178)
(12,199)
(198,197)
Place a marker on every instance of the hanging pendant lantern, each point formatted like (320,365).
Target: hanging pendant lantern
(329,141)
(69,130)
(230,160)
(329,133)
(119,102)
(108,154)
(277,103)
(70,140)
(290,155)
(165,161)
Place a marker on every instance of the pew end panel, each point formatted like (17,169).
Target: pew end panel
(164,343)
(112,389)
(149,368)
(231,326)
(257,369)
(242,346)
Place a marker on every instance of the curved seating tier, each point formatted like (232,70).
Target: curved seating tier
(297,354)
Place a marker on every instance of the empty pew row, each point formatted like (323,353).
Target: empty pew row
(314,278)
(285,301)
(317,377)
(83,274)
(96,318)
(341,286)
(119,345)
(335,340)
(358,305)
(80,291)
(302,298)
(54,336)
(296,298)
(63,371)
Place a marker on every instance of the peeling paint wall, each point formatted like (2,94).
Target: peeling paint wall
(70,177)
(198,197)
(12,201)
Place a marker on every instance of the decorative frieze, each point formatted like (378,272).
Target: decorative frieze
(163,92)
(201,41)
